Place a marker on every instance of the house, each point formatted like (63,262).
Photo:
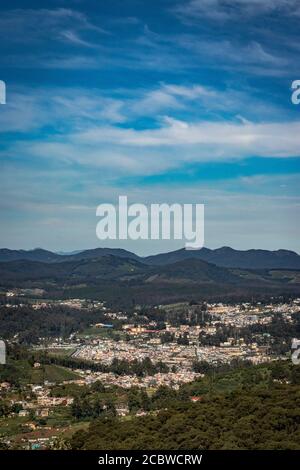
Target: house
(4,386)
(195,399)
(44,413)
(141,413)
(122,410)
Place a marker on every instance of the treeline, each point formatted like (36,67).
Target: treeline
(204,367)
(247,419)
(118,367)
(16,370)
(91,407)
(49,322)
(246,408)
(242,376)
(277,334)
(91,403)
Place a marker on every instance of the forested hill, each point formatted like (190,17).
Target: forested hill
(225,257)
(246,409)
(114,278)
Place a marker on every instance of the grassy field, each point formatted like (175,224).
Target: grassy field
(52,373)
(74,428)
(232,380)
(101,333)
(61,352)
(11,426)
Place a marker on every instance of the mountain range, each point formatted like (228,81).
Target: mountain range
(123,278)
(224,257)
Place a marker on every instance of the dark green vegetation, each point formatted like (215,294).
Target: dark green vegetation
(127,281)
(56,368)
(250,408)
(118,367)
(19,369)
(230,258)
(46,256)
(27,325)
(243,407)
(277,335)
(53,321)
(225,256)
(244,420)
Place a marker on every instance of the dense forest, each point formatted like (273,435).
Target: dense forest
(117,366)
(277,334)
(242,420)
(240,406)
(122,281)
(52,321)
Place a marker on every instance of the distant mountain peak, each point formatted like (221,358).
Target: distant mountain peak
(224,256)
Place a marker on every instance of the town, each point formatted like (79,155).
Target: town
(128,351)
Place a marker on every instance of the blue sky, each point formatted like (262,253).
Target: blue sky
(164,101)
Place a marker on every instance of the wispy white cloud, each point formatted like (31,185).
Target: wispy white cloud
(208,140)
(248,56)
(145,49)
(31,25)
(77,109)
(74,38)
(59,108)
(97,131)
(121,152)
(226,10)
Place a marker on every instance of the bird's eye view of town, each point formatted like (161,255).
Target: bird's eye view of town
(150,227)
(166,356)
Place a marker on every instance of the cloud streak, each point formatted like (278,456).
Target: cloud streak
(187,100)
(211,140)
(29,25)
(228,10)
